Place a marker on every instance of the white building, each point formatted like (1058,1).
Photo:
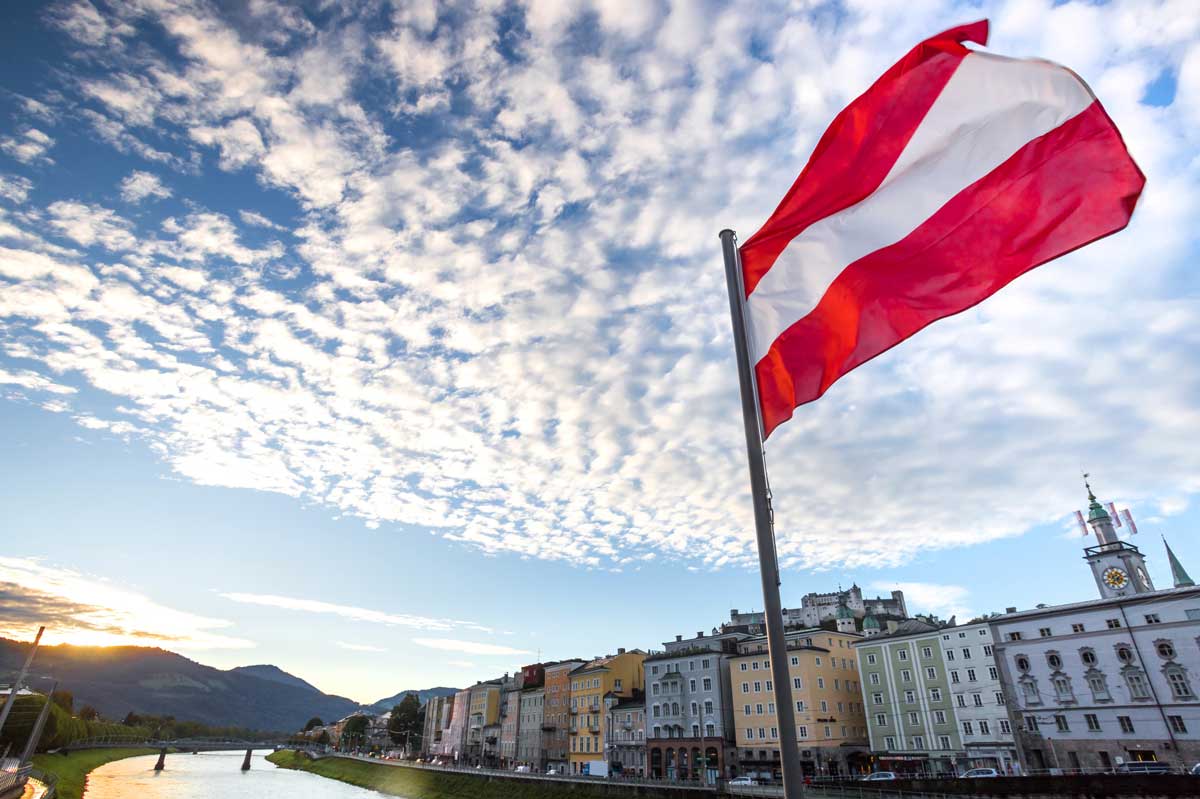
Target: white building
(978,699)
(1094,684)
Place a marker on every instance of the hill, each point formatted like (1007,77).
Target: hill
(117,680)
(424,695)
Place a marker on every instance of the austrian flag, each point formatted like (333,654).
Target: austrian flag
(956,172)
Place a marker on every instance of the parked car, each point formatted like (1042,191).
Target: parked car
(522,769)
(1196,770)
(1145,767)
(879,776)
(977,773)
(743,781)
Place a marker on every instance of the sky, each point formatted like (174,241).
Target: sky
(388,343)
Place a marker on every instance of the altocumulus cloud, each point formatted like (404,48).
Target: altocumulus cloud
(468,647)
(494,308)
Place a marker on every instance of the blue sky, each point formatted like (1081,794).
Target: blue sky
(388,343)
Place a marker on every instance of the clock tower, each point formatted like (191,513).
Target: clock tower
(1119,568)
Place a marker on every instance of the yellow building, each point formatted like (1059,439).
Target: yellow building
(621,675)
(831,725)
(483,711)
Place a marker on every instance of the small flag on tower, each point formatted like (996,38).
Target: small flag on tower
(956,172)
(1112,512)
(1082,526)
(1129,521)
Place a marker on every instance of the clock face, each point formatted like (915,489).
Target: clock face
(1115,578)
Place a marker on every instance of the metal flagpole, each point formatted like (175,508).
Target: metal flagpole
(16,686)
(768,562)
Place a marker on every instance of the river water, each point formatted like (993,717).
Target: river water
(213,775)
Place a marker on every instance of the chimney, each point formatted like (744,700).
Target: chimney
(621,651)
(1010,610)
(699,633)
(679,638)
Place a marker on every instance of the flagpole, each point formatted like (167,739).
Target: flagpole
(768,562)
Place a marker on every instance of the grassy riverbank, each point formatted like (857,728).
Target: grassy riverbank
(415,783)
(72,769)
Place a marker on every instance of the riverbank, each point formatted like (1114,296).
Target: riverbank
(418,783)
(72,769)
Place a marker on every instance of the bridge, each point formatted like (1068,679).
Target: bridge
(179,745)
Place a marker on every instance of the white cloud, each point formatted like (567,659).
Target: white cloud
(139,185)
(460,664)
(468,647)
(939,599)
(15,188)
(349,612)
(513,332)
(360,647)
(82,610)
(29,147)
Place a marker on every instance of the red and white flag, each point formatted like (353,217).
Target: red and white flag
(956,172)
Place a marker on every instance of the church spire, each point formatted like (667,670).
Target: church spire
(1098,518)
(1178,574)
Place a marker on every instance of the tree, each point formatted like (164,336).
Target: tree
(355,729)
(64,699)
(314,722)
(132,719)
(406,720)
(88,713)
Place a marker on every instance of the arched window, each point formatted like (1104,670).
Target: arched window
(1124,654)
(1088,657)
(1165,649)
(1177,678)
(1054,660)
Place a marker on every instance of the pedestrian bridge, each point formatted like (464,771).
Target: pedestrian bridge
(178,745)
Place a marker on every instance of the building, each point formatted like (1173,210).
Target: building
(620,675)
(689,711)
(817,608)
(454,735)
(980,710)
(830,727)
(437,719)
(556,717)
(510,722)
(909,705)
(483,718)
(532,732)
(1095,684)
(625,734)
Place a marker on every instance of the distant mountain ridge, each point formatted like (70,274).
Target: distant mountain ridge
(386,704)
(117,680)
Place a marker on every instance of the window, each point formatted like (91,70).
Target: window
(771,707)
(1044,632)
(939,716)
(1076,628)
(817,660)
(987,650)
(745,687)
(992,673)
(1093,722)
(774,732)
(944,742)
(1113,624)
(757,687)
(881,719)
(708,683)
(824,706)
(1180,686)
(1022,663)
(968,728)
(820,682)
(795,660)
(962,700)
(918,742)
(1014,636)
(691,685)
(970,675)
(889,743)
(978,698)
(802,731)
(926,652)
(758,709)
(877,698)
(906,675)
(935,694)
(1060,722)
(750,733)
(874,678)
(1177,724)
(1005,727)
(1126,723)
(743,667)
(949,654)
(1152,618)
(1031,723)
(800,706)
(1099,687)
(1088,657)
(1136,681)
(984,729)
(930,673)
(966,653)
(1062,688)
(910,697)
(704,663)
(1124,654)
(754,665)
(768,685)
(903,654)
(1054,660)
(1000,698)
(1165,649)
(954,677)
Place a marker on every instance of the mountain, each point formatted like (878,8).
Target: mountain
(266,671)
(424,695)
(117,680)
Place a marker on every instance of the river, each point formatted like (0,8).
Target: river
(213,775)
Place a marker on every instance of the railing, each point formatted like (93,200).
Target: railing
(49,780)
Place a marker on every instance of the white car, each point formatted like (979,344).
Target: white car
(743,781)
(977,773)
(879,776)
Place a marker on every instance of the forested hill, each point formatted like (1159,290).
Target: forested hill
(117,680)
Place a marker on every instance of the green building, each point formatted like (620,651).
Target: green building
(906,691)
